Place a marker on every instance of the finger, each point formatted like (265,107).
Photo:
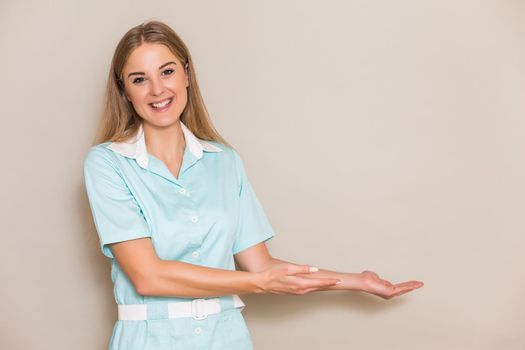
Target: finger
(318,282)
(401,292)
(295,269)
(404,288)
(409,284)
(414,282)
(307,282)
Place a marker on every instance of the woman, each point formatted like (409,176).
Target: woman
(175,212)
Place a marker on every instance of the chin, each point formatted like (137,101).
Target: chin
(162,121)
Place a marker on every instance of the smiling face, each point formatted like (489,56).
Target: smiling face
(155,82)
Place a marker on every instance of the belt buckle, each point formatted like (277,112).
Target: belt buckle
(198,311)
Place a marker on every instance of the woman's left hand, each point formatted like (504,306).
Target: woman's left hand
(373,284)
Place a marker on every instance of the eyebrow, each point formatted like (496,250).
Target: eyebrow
(142,73)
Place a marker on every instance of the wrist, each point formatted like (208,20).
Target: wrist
(257,283)
(353,281)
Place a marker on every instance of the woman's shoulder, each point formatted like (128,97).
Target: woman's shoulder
(219,148)
(99,150)
(98,154)
(227,154)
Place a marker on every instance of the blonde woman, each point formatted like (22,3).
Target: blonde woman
(175,211)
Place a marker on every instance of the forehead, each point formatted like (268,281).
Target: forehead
(149,56)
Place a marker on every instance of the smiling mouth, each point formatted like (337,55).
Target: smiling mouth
(162,104)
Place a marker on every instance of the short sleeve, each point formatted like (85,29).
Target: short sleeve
(115,211)
(253,226)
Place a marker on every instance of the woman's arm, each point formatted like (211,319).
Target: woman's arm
(257,258)
(155,277)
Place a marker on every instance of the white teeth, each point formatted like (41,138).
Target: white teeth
(162,104)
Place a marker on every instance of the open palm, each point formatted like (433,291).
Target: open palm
(373,284)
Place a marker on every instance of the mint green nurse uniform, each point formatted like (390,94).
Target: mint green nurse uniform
(203,217)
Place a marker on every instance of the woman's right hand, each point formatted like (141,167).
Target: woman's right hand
(282,279)
(373,284)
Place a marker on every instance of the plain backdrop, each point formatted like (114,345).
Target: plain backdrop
(382,135)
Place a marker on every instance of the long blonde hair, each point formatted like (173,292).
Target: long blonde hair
(119,120)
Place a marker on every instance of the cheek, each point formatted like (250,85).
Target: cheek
(134,96)
(181,91)
(178,85)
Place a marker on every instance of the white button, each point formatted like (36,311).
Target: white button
(195,254)
(182,191)
(198,330)
(194,219)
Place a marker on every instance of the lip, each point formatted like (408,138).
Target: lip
(163,109)
(167,98)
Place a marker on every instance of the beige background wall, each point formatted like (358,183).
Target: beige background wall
(383,135)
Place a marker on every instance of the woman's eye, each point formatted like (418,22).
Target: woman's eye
(165,72)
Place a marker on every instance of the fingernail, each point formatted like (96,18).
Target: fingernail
(338,282)
(313,269)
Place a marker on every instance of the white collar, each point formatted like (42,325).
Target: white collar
(136,147)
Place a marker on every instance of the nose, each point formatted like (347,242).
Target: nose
(157,86)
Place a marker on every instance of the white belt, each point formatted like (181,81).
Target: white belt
(199,309)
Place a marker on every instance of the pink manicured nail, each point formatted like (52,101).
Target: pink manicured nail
(313,269)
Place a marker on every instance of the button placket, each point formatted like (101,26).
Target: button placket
(183,191)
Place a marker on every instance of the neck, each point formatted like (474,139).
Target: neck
(166,143)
